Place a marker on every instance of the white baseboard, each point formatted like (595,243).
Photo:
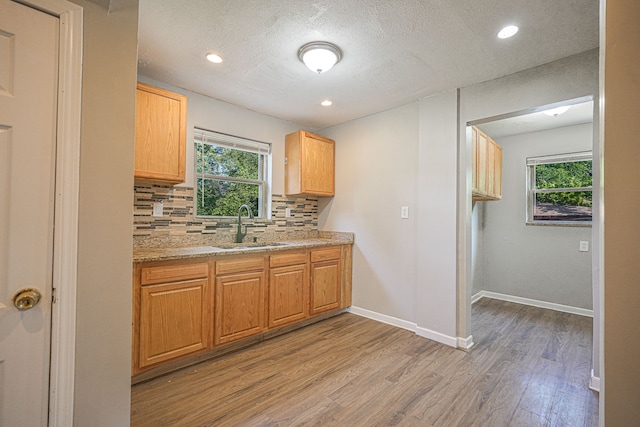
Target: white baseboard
(533,302)
(594,384)
(465,343)
(437,336)
(477,297)
(389,320)
(410,326)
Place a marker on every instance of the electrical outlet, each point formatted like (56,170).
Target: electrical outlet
(584,246)
(157,208)
(287,212)
(404,212)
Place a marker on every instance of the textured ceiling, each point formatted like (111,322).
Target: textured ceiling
(395,51)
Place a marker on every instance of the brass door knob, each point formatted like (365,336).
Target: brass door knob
(26,299)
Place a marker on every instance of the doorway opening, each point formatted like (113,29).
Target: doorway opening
(516,259)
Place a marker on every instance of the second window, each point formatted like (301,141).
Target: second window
(559,188)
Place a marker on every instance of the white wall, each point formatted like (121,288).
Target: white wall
(403,268)
(376,170)
(218,116)
(436,237)
(536,262)
(476,274)
(103,317)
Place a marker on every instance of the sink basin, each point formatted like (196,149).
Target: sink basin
(250,245)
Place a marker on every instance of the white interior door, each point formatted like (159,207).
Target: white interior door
(28,98)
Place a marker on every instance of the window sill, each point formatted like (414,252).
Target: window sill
(233,220)
(559,224)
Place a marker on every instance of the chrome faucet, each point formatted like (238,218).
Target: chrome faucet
(240,234)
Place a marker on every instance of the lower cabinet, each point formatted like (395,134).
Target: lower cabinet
(325,280)
(178,312)
(288,288)
(172,319)
(240,298)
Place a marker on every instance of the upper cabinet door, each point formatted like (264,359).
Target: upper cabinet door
(309,165)
(161,131)
(486,167)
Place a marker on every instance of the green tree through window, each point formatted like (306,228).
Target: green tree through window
(228,176)
(561,188)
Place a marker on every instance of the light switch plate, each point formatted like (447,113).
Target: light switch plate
(157,208)
(287,212)
(584,246)
(404,212)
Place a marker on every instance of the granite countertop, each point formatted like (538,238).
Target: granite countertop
(146,254)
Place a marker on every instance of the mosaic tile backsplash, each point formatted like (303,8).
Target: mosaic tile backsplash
(179,226)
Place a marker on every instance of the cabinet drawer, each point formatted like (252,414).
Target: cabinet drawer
(291,258)
(325,254)
(240,265)
(173,273)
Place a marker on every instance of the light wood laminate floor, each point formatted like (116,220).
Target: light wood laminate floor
(529,367)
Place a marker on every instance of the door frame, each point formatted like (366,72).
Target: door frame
(65,240)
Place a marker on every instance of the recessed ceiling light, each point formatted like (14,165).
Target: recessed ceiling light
(508,31)
(214,57)
(319,56)
(555,112)
(326,103)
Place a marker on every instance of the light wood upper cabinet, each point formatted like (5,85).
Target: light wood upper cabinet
(171,312)
(498,172)
(486,167)
(240,298)
(161,131)
(309,164)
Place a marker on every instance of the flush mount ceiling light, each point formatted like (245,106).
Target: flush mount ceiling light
(508,31)
(214,57)
(555,112)
(326,103)
(319,56)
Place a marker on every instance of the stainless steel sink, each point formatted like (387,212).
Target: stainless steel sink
(250,245)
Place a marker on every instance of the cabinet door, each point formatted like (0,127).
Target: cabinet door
(497,171)
(160,135)
(173,320)
(318,159)
(288,294)
(482,163)
(474,160)
(486,167)
(239,307)
(309,164)
(490,175)
(325,286)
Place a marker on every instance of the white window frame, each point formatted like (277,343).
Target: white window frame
(532,191)
(203,136)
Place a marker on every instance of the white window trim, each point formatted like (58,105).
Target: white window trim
(531,191)
(204,136)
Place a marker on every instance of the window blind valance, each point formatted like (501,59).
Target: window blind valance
(559,158)
(230,141)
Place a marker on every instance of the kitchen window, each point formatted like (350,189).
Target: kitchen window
(559,189)
(230,171)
